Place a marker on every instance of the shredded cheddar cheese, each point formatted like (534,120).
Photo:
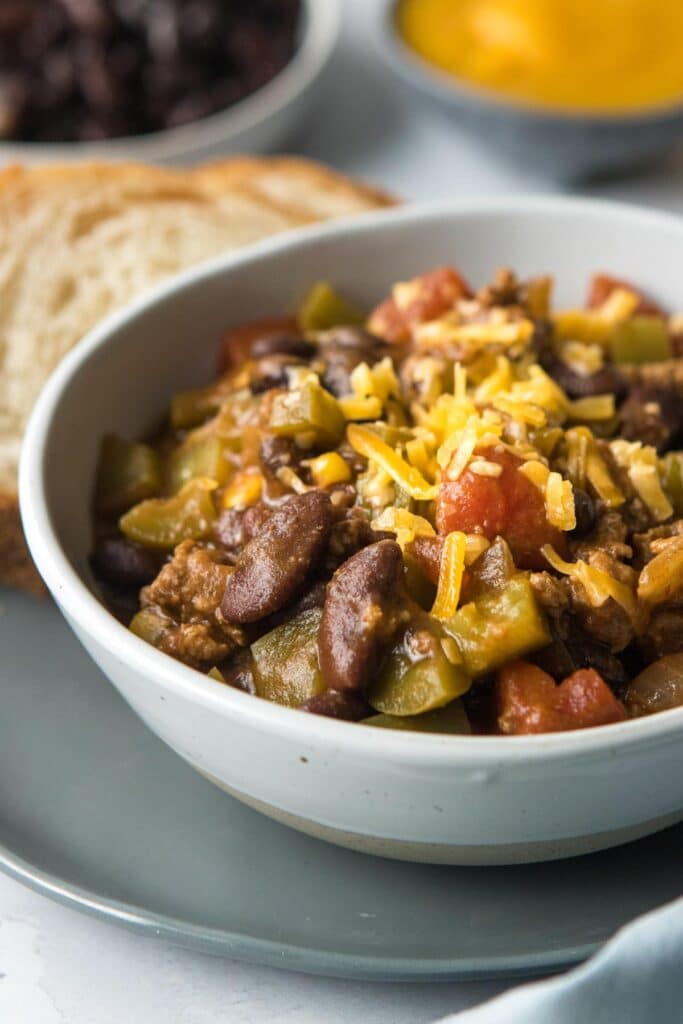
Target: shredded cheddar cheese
(379,381)
(581,357)
(404,524)
(482,467)
(594,407)
(559,502)
(598,585)
(450,576)
(367,443)
(476,545)
(476,335)
(558,494)
(596,326)
(289,478)
(642,466)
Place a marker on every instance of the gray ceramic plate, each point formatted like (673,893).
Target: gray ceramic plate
(98,813)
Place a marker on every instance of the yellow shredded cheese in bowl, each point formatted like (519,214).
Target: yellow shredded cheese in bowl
(450,576)
(367,443)
(598,585)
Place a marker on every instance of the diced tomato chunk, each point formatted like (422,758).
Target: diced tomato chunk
(585,699)
(529,700)
(415,302)
(509,506)
(238,340)
(602,285)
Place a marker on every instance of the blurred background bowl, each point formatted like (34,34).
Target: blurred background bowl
(559,144)
(261,121)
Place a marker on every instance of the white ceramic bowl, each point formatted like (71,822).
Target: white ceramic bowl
(261,121)
(473,800)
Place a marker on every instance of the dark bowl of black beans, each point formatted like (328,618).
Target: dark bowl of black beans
(159,80)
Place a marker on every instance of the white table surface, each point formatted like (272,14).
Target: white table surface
(59,967)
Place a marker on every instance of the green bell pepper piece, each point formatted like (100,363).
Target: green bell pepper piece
(308,410)
(641,339)
(127,473)
(190,408)
(672,465)
(417,676)
(417,585)
(162,523)
(149,624)
(324,308)
(286,661)
(450,719)
(199,458)
(498,626)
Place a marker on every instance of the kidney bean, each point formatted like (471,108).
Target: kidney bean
(228,530)
(362,611)
(348,706)
(273,568)
(255,518)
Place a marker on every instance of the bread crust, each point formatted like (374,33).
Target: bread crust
(16,567)
(295,190)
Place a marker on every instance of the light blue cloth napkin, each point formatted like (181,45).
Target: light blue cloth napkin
(636,979)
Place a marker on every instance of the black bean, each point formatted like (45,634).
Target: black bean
(363,609)
(270,372)
(122,563)
(653,414)
(15,15)
(273,568)
(282,344)
(586,513)
(238,671)
(575,650)
(356,338)
(276,452)
(342,349)
(13,98)
(89,16)
(152,63)
(607,381)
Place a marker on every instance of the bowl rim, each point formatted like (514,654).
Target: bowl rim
(95,620)
(321,27)
(434,81)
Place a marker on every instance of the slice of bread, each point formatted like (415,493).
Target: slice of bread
(79,241)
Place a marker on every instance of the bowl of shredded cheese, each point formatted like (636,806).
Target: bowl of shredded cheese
(570,88)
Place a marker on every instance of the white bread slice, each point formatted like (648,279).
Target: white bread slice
(77,242)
